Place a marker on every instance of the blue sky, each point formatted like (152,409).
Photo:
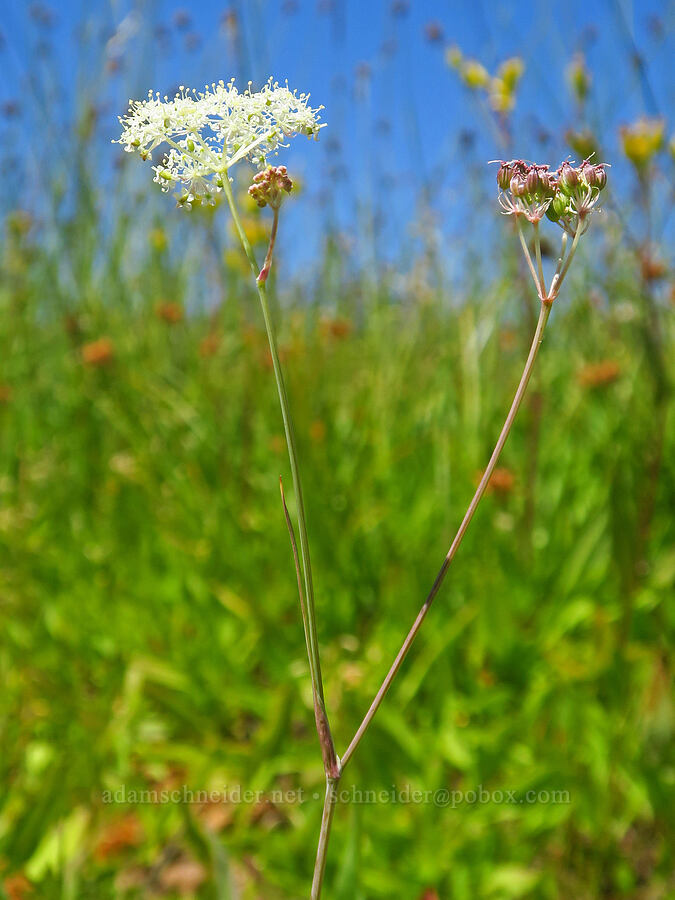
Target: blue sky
(398,118)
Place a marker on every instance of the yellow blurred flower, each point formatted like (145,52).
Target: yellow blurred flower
(510,72)
(584,143)
(19,222)
(474,75)
(453,56)
(298,186)
(245,202)
(257,230)
(500,88)
(501,100)
(642,141)
(158,239)
(579,77)
(236,262)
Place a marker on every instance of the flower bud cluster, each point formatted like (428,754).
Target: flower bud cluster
(565,196)
(269,185)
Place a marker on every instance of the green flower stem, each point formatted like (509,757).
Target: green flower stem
(325,737)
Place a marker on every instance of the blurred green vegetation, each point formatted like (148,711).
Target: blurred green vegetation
(151,632)
(151,635)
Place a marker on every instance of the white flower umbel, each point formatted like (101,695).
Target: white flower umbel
(208,132)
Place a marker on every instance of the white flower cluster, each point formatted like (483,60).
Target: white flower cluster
(208,132)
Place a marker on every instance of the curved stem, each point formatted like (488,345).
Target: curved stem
(412,634)
(311,631)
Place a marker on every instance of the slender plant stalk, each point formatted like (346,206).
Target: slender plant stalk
(528,257)
(306,597)
(267,265)
(329,804)
(412,634)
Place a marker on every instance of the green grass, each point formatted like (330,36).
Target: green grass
(151,633)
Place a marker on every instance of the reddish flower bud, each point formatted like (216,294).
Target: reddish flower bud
(268,186)
(549,184)
(589,174)
(504,175)
(568,180)
(518,186)
(532,181)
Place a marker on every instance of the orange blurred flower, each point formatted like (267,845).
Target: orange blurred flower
(277,444)
(317,431)
(652,268)
(502,482)
(508,339)
(599,374)
(170,312)
(266,356)
(336,328)
(98,353)
(5,393)
(118,836)
(17,886)
(208,346)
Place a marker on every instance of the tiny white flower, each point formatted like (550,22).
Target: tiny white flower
(208,132)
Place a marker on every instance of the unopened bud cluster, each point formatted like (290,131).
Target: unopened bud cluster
(269,186)
(566,195)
